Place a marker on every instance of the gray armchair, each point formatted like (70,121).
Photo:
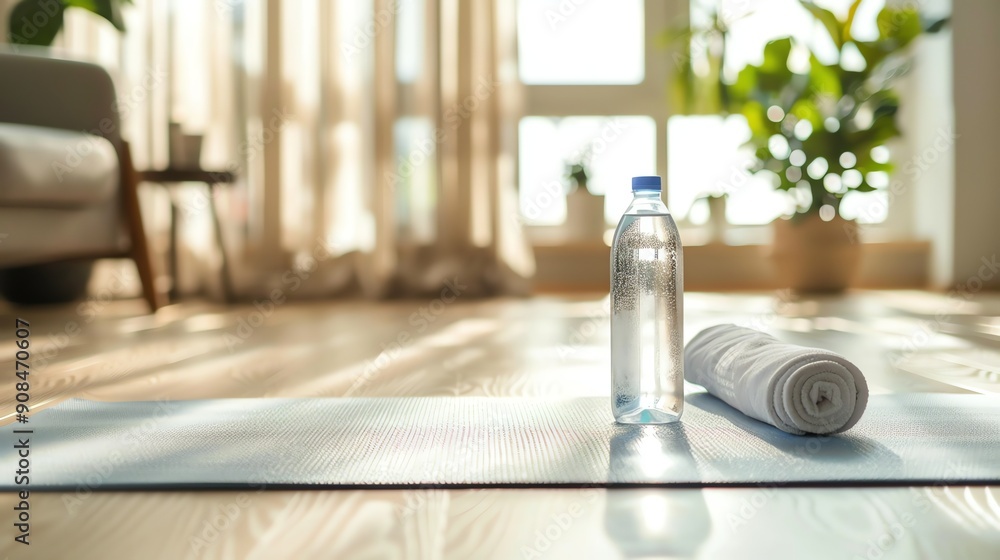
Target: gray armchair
(67,186)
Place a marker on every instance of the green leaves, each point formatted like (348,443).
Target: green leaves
(37,22)
(934,26)
(900,25)
(806,109)
(756,117)
(882,129)
(833,26)
(849,23)
(824,80)
(776,56)
(107,9)
(850,105)
(773,74)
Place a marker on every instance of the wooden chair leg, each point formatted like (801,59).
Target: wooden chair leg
(139,251)
(228,293)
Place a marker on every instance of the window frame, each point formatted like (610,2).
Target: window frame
(647,98)
(650,98)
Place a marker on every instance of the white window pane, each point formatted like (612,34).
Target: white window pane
(705,155)
(866,208)
(757,203)
(409,40)
(564,42)
(619,147)
(414,183)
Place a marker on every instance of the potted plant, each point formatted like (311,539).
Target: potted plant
(37,22)
(584,210)
(818,132)
(716,203)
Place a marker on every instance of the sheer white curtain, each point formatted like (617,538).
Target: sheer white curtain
(360,170)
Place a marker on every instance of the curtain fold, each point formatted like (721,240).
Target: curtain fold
(354,178)
(470,93)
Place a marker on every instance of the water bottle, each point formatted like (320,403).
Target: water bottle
(647,313)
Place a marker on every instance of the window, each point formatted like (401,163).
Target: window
(706,157)
(595,90)
(562,42)
(415,179)
(705,153)
(409,40)
(608,144)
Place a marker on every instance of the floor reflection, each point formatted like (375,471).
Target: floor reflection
(644,523)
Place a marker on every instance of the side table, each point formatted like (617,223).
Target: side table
(212,179)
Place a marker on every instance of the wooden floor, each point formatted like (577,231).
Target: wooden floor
(903,341)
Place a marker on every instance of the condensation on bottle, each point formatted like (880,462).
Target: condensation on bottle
(647,313)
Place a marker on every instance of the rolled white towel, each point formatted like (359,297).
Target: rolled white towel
(795,388)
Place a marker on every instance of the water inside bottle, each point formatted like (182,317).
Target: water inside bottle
(646,320)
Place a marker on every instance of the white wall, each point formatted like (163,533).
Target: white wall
(928,164)
(976,67)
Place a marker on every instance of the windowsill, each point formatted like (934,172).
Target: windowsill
(582,265)
(698,235)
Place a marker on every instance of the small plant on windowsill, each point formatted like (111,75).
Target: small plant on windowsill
(717,225)
(37,22)
(584,210)
(818,129)
(577,175)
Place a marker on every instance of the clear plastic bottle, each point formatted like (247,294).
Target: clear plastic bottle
(647,312)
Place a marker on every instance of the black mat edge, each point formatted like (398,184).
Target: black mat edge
(209,486)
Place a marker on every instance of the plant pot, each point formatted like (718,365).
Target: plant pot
(717,219)
(811,255)
(185,149)
(585,215)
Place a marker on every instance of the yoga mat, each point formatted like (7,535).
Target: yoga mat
(497,442)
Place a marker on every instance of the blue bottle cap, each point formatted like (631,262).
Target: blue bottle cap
(646,183)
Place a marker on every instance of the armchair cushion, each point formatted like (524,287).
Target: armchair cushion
(50,167)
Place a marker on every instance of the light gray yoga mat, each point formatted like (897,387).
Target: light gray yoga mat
(400,442)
